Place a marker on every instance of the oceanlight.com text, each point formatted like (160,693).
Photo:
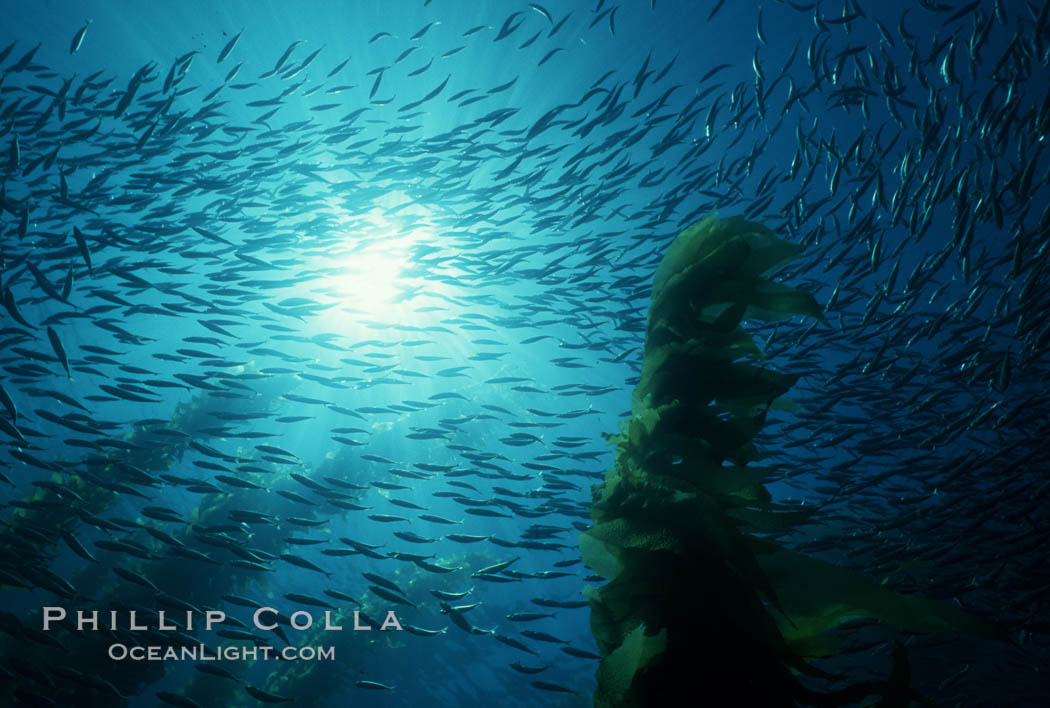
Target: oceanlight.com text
(201,652)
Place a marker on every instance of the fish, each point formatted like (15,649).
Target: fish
(462,622)
(307,600)
(509,26)
(423,30)
(228,47)
(265,696)
(178,700)
(528,616)
(303,563)
(557,688)
(78,548)
(373,685)
(60,352)
(78,38)
(390,596)
(216,671)
(580,653)
(423,632)
(336,595)
(542,636)
(512,642)
(214,253)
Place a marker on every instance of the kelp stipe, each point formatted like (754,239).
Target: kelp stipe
(698,601)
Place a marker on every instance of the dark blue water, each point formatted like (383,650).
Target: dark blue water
(410,264)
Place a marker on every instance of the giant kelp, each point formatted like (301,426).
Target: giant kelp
(700,598)
(79,494)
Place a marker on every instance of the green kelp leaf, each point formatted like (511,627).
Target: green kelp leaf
(606,626)
(634,534)
(645,417)
(769,253)
(770,521)
(717,328)
(741,482)
(709,253)
(766,251)
(628,600)
(686,283)
(597,557)
(807,638)
(732,345)
(783,403)
(820,596)
(695,373)
(785,300)
(675,527)
(691,245)
(617,671)
(734,478)
(766,300)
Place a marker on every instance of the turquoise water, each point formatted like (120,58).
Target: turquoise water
(332,263)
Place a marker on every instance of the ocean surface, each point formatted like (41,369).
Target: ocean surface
(330,306)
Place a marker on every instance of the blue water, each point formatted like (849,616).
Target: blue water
(447,289)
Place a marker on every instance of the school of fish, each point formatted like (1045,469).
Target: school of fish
(393,306)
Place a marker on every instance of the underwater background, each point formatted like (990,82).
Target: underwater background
(332,305)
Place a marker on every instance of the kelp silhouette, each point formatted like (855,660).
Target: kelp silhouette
(698,601)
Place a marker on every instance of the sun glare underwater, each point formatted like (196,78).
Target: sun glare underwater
(560,353)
